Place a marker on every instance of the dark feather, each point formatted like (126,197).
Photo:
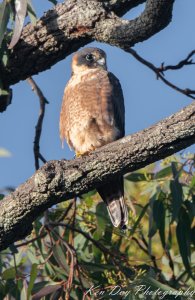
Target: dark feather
(112,194)
(118,103)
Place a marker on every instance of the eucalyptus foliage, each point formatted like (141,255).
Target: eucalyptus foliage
(75,253)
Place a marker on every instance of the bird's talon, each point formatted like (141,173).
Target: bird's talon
(79,154)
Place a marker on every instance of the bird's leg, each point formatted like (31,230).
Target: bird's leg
(79,154)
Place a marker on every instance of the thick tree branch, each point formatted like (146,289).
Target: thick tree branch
(75,23)
(120,7)
(123,33)
(60,180)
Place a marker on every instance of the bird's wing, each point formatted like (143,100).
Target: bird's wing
(64,117)
(118,103)
(112,193)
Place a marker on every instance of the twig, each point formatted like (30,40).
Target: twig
(38,127)
(141,246)
(183,274)
(87,236)
(42,158)
(71,250)
(181,64)
(74,264)
(30,241)
(171,263)
(66,211)
(187,92)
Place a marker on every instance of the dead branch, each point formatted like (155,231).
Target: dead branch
(38,127)
(187,92)
(185,62)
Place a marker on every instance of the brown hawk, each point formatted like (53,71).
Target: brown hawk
(92,115)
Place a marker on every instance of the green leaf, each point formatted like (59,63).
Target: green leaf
(9,273)
(101,217)
(4,57)
(136,177)
(37,226)
(23,293)
(97,267)
(4,18)
(89,194)
(47,290)
(174,166)
(39,285)
(159,219)
(169,239)
(177,197)
(164,173)
(20,8)
(60,273)
(4,92)
(53,1)
(32,257)
(60,257)
(154,284)
(33,276)
(153,229)
(192,235)
(79,242)
(139,218)
(183,238)
(49,270)
(97,254)
(191,210)
(192,183)
(31,12)
(1,196)
(5,98)
(13,249)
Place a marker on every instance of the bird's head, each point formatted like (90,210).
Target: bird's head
(88,58)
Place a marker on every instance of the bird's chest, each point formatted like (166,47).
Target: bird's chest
(90,111)
(90,94)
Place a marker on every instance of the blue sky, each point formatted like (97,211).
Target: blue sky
(147,100)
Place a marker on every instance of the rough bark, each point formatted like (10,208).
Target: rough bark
(75,23)
(60,180)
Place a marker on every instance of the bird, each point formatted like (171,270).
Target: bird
(93,115)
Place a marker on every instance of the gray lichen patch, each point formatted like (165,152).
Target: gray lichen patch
(40,180)
(75,175)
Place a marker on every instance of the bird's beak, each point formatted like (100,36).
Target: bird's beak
(101,61)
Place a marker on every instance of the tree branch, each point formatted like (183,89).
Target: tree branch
(58,181)
(123,33)
(159,73)
(120,7)
(73,24)
(38,129)
(185,62)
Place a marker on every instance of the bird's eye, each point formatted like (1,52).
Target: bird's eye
(89,57)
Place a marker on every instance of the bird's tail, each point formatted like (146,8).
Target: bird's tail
(112,194)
